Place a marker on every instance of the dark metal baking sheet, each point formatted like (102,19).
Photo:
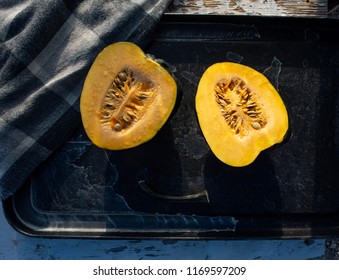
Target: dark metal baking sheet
(173,186)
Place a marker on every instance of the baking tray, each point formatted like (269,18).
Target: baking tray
(173,186)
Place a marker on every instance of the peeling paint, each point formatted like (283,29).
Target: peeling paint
(315,8)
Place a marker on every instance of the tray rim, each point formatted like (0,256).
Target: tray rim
(303,231)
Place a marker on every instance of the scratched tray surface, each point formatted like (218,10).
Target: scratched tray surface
(173,185)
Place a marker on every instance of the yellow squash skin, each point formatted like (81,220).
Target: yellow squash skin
(237,146)
(150,98)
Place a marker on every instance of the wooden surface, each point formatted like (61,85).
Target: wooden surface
(293,8)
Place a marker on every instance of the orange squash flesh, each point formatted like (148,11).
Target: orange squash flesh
(240,113)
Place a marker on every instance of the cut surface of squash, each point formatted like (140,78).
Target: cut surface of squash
(240,113)
(127,97)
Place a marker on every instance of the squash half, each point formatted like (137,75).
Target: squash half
(240,113)
(127,97)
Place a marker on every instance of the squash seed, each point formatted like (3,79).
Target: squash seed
(126,100)
(239,106)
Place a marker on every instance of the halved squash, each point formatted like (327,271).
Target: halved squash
(240,113)
(127,97)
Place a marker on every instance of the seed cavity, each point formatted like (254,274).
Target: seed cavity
(126,100)
(240,106)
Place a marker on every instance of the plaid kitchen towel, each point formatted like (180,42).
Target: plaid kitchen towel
(46,49)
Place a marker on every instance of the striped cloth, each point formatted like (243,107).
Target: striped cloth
(46,49)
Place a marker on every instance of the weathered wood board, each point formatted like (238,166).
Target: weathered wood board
(293,8)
